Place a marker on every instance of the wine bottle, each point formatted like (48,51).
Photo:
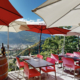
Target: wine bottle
(3,49)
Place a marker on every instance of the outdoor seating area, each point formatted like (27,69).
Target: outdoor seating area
(39,69)
(60,75)
(34,56)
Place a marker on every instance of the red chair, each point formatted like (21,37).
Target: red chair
(77,54)
(49,68)
(56,58)
(39,56)
(30,72)
(19,64)
(69,63)
(70,54)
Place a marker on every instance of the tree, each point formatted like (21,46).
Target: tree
(55,44)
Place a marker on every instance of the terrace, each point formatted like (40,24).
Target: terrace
(66,75)
(60,74)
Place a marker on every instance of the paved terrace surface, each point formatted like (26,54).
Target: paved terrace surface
(66,75)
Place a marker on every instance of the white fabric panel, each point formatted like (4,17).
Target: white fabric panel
(71,19)
(14,26)
(47,3)
(69,34)
(73,34)
(53,13)
(75,29)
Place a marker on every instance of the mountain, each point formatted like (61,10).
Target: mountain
(24,37)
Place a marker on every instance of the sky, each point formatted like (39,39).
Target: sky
(24,7)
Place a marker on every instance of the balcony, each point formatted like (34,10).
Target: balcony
(60,74)
(66,75)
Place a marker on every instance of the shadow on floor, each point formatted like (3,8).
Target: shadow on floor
(14,76)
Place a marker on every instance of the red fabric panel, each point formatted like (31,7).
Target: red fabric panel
(77,54)
(7,12)
(43,29)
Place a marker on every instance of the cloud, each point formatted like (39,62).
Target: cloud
(38,21)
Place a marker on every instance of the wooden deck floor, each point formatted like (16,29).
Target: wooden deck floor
(66,75)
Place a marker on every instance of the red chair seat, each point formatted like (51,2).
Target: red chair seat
(48,69)
(60,61)
(21,64)
(26,59)
(77,54)
(77,67)
(56,58)
(32,73)
(77,62)
(39,56)
(70,54)
(68,62)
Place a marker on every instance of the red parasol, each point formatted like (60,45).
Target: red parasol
(7,13)
(42,29)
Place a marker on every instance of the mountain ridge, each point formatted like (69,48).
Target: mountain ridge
(23,37)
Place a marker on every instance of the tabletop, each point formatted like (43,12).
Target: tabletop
(38,63)
(74,58)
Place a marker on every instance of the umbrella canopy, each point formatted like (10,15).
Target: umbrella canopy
(7,13)
(61,13)
(75,29)
(14,26)
(42,29)
(70,33)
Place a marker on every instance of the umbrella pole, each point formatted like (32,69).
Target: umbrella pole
(78,43)
(40,42)
(8,46)
(64,44)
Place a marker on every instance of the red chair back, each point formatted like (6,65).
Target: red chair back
(55,57)
(39,56)
(26,69)
(68,62)
(77,54)
(17,61)
(70,54)
(50,60)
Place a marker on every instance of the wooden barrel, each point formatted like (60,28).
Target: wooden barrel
(3,68)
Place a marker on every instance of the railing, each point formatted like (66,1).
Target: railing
(46,53)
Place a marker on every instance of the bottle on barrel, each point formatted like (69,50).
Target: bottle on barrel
(3,49)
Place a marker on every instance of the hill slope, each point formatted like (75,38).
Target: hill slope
(24,37)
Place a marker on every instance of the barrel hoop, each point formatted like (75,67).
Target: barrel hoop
(3,64)
(3,58)
(3,74)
